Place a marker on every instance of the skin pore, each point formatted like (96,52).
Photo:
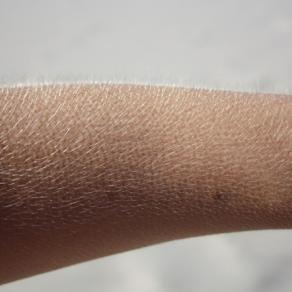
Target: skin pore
(91,170)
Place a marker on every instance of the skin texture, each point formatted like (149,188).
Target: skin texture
(91,170)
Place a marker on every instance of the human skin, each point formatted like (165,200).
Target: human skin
(90,170)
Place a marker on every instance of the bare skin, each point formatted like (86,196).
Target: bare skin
(92,170)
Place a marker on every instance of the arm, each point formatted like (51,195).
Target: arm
(91,170)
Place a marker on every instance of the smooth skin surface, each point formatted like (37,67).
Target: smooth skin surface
(90,170)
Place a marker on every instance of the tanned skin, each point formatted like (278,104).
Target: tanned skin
(92,170)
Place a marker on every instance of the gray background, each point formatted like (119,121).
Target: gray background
(240,45)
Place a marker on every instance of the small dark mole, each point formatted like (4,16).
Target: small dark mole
(221,196)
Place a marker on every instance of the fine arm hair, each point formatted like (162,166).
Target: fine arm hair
(89,170)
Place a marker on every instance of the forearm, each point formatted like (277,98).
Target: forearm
(91,170)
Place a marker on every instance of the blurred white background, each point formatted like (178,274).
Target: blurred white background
(230,44)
